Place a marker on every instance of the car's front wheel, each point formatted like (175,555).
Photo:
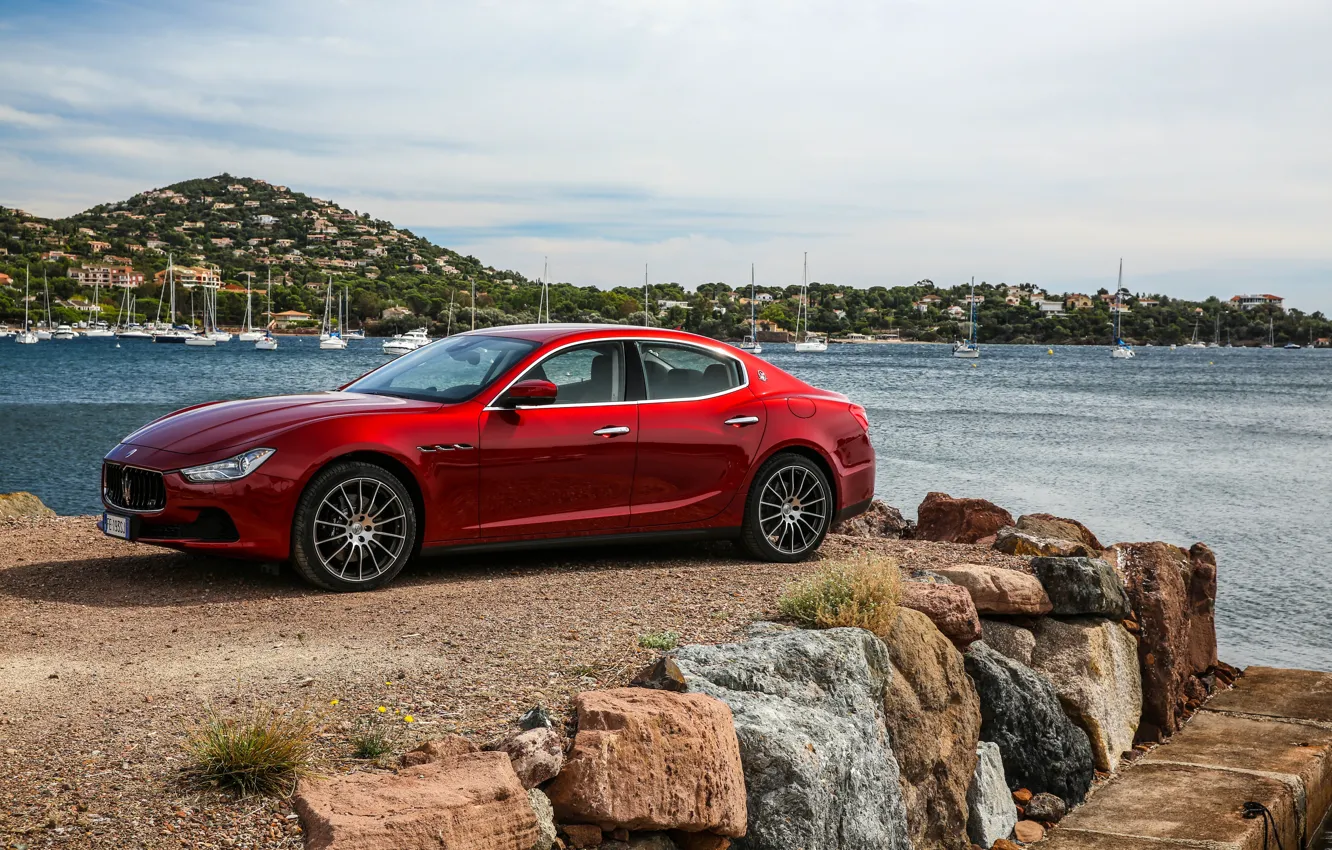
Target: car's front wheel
(789,509)
(355,527)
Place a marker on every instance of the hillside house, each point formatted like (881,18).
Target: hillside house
(99,247)
(1253,302)
(1048,308)
(107,276)
(1077,301)
(290,318)
(191,276)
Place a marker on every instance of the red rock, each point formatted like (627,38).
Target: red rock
(1022,796)
(473,802)
(1005,844)
(947,520)
(948,606)
(1173,596)
(653,760)
(879,521)
(1060,528)
(996,590)
(537,754)
(439,750)
(1028,831)
(582,835)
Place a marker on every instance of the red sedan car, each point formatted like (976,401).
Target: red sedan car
(512,437)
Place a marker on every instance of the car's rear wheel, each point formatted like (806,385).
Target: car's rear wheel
(355,527)
(788,511)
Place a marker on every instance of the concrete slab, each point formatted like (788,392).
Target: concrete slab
(1297,751)
(1274,692)
(1064,838)
(1187,804)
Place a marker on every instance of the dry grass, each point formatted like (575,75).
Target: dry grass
(863,594)
(262,753)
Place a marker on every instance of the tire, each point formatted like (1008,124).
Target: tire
(795,530)
(365,554)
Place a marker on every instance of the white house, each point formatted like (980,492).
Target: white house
(1251,302)
(1048,307)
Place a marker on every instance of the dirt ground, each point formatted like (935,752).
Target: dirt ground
(109,651)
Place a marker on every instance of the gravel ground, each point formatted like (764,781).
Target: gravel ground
(111,650)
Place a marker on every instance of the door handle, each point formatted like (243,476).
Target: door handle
(742,421)
(612,431)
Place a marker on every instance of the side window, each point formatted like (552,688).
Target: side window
(589,374)
(679,371)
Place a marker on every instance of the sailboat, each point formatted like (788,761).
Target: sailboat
(1216,334)
(1195,343)
(25,336)
(172,334)
(750,343)
(210,316)
(330,339)
(969,349)
(46,295)
(268,342)
(205,339)
(247,331)
(1271,333)
(1122,350)
(97,327)
(346,301)
(809,342)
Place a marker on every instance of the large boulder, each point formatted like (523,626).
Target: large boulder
(949,606)
(992,813)
(1042,749)
(1173,594)
(808,707)
(1009,639)
(1058,528)
(537,754)
(933,719)
(471,802)
(1083,586)
(1012,541)
(545,817)
(1093,665)
(947,520)
(22,504)
(442,749)
(652,760)
(879,521)
(997,590)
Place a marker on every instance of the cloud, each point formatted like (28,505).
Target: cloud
(1035,140)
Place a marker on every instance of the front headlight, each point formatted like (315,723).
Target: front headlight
(230,469)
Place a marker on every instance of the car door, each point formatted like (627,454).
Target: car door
(566,467)
(699,429)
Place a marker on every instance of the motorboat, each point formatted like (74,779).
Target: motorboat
(63,332)
(403,343)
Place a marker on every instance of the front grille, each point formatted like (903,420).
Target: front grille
(132,489)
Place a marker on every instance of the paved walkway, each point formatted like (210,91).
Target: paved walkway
(1268,740)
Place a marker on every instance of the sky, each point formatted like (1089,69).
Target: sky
(893,140)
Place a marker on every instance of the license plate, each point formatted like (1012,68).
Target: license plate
(116,526)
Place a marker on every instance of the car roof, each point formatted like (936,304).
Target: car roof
(552,332)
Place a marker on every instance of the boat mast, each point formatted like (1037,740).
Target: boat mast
(448,325)
(26,281)
(1119,307)
(804,301)
(646,321)
(753,296)
(473,303)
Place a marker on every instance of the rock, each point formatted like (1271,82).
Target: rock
(650,841)
(1173,594)
(473,802)
(879,521)
(933,718)
(1028,831)
(1042,749)
(536,717)
(700,841)
(439,750)
(947,520)
(1093,665)
(808,708)
(652,760)
(1083,586)
(1059,528)
(582,835)
(22,504)
(991,811)
(1010,541)
(1005,844)
(948,606)
(996,590)
(537,754)
(662,675)
(1009,639)
(1022,796)
(927,577)
(1045,807)
(545,817)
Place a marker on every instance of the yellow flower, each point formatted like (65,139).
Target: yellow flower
(333,702)
(409,719)
(390,684)
(381,709)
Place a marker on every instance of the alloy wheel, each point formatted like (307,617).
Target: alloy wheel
(793,509)
(360,530)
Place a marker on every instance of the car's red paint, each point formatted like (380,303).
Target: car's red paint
(532,473)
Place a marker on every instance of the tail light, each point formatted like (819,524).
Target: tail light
(859,412)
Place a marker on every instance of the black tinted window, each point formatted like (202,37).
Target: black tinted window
(681,371)
(588,374)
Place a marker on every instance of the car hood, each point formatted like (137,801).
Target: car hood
(227,424)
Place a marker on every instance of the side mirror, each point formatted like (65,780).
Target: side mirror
(531,392)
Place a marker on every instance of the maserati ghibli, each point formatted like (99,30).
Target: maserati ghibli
(509,437)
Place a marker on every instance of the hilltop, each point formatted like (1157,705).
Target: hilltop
(228,231)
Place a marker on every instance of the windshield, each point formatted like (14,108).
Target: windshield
(451,370)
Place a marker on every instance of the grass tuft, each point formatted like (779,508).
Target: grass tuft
(371,740)
(264,752)
(664,641)
(863,595)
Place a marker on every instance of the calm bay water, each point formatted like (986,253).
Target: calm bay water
(1229,446)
